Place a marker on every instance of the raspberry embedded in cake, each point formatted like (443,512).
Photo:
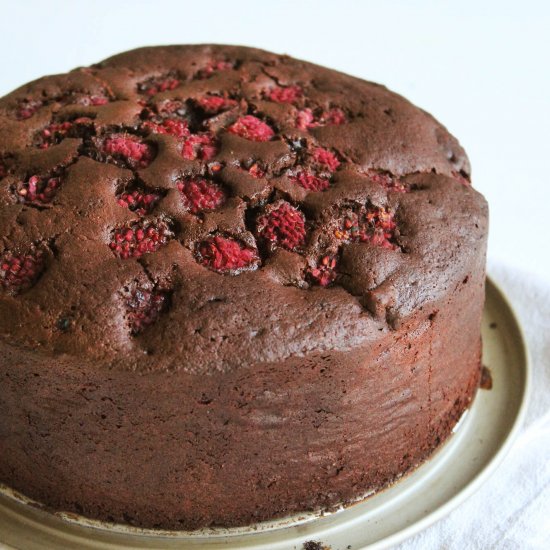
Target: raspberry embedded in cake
(325,159)
(200,195)
(324,273)
(18,272)
(169,126)
(214,66)
(225,255)
(38,190)
(140,237)
(93,100)
(27,107)
(462,177)
(283,225)
(256,171)
(202,146)
(310,181)
(311,118)
(144,307)
(56,132)
(287,94)
(387,180)
(129,150)
(372,224)
(157,84)
(214,104)
(139,201)
(251,128)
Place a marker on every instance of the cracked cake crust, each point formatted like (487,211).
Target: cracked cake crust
(214,249)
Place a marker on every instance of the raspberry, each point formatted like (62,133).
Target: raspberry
(213,67)
(27,108)
(252,128)
(325,158)
(199,194)
(284,226)
(310,181)
(139,202)
(139,237)
(373,224)
(129,149)
(173,107)
(256,171)
(20,272)
(290,94)
(3,170)
(462,178)
(387,180)
(199,146)
(213,104)
(57,131)
(325,271)
(92,100)
(222,254)
(157,84)
(171,126)
(307,118)
(144,307)
(38,190)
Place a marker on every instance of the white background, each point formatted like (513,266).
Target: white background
(482,68)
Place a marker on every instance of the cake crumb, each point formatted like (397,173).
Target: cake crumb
(486,382)
(313,545)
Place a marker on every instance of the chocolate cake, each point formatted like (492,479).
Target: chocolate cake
(233,286)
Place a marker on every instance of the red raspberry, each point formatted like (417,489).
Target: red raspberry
(199,146)
(283,226)
(212,67)
(463,179)
(157,84)
(139,202)
(223,255)
(325,271)
(252,128)
(57,131)
(373,224)
(20,272)
(144,308)
(310,181)
(325,158)
(387,180)
(213,104)
(129,149)
(290,94)
(256,171)
(139,237)
(92,100)
(199,194)
(38,190)
(307,118)
(27,108)
(171,126)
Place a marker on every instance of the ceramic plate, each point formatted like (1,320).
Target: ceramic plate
(479,443)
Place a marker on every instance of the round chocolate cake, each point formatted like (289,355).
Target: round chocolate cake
(233,286)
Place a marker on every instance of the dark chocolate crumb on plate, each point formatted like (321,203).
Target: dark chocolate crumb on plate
(312,545)
(486,382)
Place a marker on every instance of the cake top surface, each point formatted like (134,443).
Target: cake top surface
(202,207)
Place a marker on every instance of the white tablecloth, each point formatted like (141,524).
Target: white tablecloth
(512,510)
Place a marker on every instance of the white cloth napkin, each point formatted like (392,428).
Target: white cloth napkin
(512,509)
